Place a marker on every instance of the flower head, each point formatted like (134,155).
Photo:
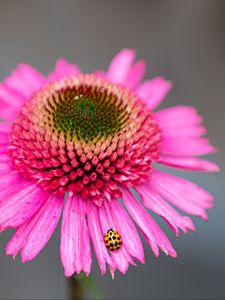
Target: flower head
(90,139)
(84,135)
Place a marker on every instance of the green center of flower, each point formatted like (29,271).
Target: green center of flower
(86,115)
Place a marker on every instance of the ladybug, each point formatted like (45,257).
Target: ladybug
(112,240)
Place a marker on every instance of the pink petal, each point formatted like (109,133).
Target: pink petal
(62,69)
(178,146)
(25,80)
(96,233)
(11,97)
(12,178)
(4,158)
(193,164)
(8,113)
(182,193)
(121,257)
(33,235)
(126,228)
(154,91)
(75,239)
(188,130)
(18,240)
(3,138)
(5,168)
(5,128)
(155,203)
(21,206)
(151,231)
(135,75)
(36,232)
(11,183)
(176,116)
(180,125)
(120,66)
(3,149)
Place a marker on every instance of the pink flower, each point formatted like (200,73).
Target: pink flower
(91,139)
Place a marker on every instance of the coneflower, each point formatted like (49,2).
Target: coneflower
(90,140)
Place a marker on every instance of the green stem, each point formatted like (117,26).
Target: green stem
(75,290)
(82,284)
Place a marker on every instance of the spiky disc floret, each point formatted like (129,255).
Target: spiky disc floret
(84,134)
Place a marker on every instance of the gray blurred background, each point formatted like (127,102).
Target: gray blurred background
(181,40)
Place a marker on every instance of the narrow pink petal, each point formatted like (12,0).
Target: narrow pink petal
(11,97)
(178,115)
(120,66)
(126,228)
(3,138)
(4,158)
(18,240)
(188,130)
(3,148)
(187,163)
(62,69)
(151,231)
(8,113)
(75,240)
(21,206)
(135,75)
(42,225)
(96,233)
(178,146)
(25,80)
(5,168)
(87,252)
(154,202)
(182,193)
(154,91)
(5,128)
(181,126)
(10,181)
(121,257)
(40,228)
(186,187)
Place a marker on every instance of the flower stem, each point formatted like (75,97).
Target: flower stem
(82,284)
(75,289)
